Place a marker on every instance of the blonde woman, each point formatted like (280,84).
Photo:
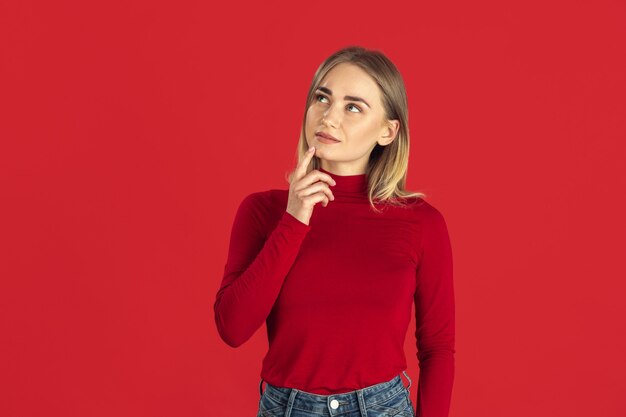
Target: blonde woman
(334,264)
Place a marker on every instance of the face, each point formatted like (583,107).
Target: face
(349,107)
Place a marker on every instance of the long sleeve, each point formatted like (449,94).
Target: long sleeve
(435,319)
(255,269)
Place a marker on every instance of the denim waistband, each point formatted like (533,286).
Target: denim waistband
(352,400)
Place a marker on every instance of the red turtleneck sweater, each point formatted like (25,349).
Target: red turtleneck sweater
(336,295)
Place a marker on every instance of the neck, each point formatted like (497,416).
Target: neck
(350,185)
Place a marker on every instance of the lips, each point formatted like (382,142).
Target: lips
(327,136)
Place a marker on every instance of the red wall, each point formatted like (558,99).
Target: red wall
(131,131)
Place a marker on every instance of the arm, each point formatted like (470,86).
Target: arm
(254,270)
(435,318)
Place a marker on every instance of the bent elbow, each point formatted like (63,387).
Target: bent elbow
(230,340)
(228,332)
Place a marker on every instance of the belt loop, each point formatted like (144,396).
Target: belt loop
(261,387)
(292,398)
(361,398)
(407,377)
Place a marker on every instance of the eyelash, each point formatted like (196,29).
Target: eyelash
(317,96)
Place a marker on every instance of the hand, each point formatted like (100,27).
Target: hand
(307,190)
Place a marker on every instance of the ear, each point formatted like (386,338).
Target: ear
(389,132)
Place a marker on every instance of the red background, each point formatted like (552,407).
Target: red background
(131,131)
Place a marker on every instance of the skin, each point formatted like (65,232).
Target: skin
(358,128)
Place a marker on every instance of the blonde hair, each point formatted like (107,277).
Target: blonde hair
(387,167)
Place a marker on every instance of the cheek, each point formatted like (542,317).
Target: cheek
(311,115)
(312,110)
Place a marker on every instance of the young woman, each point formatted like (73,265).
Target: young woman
(335,282)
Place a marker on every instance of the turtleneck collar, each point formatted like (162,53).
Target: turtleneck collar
(354,185)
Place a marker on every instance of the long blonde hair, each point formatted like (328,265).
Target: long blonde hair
(387,167)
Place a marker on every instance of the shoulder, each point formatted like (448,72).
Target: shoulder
(264,205)
(267,199)
(256,198)
(428,217)
(258,202)
(423,208)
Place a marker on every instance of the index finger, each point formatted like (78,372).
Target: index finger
(301,169)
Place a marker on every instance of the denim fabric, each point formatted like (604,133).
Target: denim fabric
(386,399)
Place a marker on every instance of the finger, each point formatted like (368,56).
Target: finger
(317,198)
(314,177)
(301,169)
(324,188)
(316,188)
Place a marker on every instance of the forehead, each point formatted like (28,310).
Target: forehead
(349,79)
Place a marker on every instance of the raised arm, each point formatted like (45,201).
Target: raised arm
(435,318)
(255,269)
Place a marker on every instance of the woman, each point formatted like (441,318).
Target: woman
(336,284)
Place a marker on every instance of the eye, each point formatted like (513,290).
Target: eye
(317,97)
(355,106)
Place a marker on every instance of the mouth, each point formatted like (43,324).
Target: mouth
(326,136)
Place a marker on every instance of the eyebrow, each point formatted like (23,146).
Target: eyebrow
(351,98)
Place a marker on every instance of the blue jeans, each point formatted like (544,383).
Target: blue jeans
(386,399)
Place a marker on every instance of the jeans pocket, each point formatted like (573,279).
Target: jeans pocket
(269,407)
(396,406)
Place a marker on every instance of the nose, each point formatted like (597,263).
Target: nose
(328,118)
(325,122)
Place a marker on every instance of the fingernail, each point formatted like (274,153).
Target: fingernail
(311,148)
